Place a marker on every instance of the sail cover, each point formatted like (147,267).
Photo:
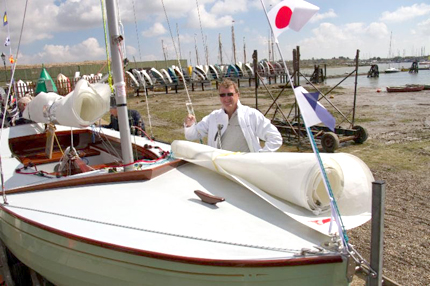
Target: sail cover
(80,108)
(292,182)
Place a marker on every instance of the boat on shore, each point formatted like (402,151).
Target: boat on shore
(405,88)
(86,205)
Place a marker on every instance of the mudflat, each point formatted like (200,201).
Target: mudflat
(397,151)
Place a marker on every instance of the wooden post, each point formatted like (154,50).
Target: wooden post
(377,232)
(355,87)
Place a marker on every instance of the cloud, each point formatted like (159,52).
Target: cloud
(344,40)
(424,27)
(88,50)
(405,13)
(156,30)
(321,16)
(71,16)
(131,51)
(208,20)
(232,6)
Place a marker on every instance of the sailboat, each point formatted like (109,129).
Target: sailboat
(391,69)
(85,205)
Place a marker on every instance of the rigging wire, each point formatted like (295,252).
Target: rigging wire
(7,99)
(147,107)
(201,32)
(189,104)
(137,33)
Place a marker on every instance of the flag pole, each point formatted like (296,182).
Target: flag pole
(335,214)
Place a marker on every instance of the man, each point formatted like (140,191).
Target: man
(134,119)
(234,127)
(22,105)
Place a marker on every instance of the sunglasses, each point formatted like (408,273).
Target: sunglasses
(226,94)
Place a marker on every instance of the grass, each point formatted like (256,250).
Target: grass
(391,157)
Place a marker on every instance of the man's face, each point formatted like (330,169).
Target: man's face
(229,103)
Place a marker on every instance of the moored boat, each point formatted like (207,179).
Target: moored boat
(405,88)
(391,70)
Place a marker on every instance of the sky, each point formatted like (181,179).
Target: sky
(60,31)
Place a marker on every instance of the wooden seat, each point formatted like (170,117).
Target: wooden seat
(42,158)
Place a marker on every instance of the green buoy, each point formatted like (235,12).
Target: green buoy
(45,82)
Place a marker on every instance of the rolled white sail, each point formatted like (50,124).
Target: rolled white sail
(294,178)
(80,108)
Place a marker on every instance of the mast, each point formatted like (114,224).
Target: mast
(244,51)
(220,48)
(115,39)
(389,51)
(234,43)
(206,50)
(179,42)
(269,45)
(164,51)
(273,49)
(197,53)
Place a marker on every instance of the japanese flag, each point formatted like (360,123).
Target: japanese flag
(293,14)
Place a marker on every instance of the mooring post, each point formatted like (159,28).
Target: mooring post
(377,233)
(355,86)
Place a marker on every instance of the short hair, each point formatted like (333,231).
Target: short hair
(24,100)
(227,83)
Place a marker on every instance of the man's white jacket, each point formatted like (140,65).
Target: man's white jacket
(252,122)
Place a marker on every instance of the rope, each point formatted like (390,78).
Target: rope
(288,250)
(333,203)
(137,33)
(107,47)
(142,80)
(109,147)
(58,143)
(201,32)
(7,100)
(189,104)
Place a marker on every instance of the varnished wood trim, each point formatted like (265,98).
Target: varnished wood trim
(99,179)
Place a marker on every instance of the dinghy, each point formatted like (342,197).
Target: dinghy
(85,205)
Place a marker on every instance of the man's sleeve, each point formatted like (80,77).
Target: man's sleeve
(268,132)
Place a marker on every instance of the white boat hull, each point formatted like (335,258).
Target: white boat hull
(67,260)
(154,230)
